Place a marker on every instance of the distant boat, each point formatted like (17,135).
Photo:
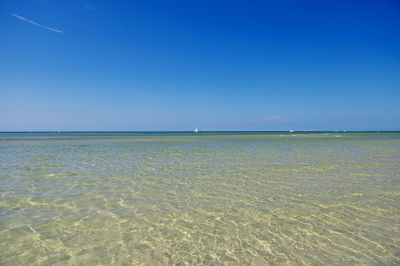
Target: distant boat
(291,131)
(196,130)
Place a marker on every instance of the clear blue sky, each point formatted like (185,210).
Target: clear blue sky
(217,65)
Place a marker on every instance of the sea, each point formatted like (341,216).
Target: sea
(206,198)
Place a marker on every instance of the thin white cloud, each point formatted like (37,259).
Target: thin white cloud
(88,6)
(37,24)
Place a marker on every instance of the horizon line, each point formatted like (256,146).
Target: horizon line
(191,131)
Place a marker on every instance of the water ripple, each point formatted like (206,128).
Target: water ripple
(200,199)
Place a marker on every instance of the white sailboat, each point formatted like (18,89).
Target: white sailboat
(196,130)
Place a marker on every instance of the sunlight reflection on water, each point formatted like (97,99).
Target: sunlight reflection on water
(87,198)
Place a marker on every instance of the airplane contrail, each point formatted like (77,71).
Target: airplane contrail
(37,24)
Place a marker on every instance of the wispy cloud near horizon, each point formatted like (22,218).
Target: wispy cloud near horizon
(37,24)
(275,117)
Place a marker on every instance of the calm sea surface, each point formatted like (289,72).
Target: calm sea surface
(206,198)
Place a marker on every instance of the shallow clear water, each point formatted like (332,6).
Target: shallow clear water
(158,198)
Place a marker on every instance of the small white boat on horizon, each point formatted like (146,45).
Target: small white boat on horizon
(196,130)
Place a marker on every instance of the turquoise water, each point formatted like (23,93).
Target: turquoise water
(182,198)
